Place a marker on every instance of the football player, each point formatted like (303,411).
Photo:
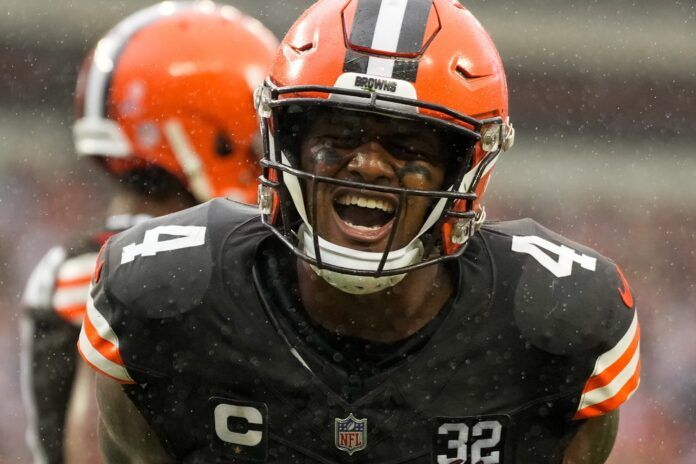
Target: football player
(165,105)
(367,313)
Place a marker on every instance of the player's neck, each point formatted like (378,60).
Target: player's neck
(387,316)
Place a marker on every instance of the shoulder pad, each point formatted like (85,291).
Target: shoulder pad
(147,276)
(568,299)
(163,267)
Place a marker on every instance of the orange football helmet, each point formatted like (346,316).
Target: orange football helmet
(172,86)
(423,60)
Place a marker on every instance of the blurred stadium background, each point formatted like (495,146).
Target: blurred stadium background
(603,96)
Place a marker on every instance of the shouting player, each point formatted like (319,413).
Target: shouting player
(165,105)
(367,313)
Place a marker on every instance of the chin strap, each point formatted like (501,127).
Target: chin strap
(340,256)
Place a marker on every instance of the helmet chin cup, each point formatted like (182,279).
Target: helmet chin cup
(357,285)
(348,258)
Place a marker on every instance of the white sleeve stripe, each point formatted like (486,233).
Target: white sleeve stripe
(70,296)
(99,361)
(78,267)
(99,322)
(606,392)
(610,357)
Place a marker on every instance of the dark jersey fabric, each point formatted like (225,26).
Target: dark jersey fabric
(356,359)
(229,368)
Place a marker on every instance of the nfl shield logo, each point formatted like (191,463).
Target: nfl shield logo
(351,434)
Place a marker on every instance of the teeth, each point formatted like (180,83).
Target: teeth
(367,228)
(364,202)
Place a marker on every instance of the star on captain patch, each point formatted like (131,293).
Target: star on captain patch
(350,434)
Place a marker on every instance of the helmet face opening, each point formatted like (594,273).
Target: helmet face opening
(407,137)
(382,212)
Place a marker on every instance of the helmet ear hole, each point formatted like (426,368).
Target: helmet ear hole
(224,146)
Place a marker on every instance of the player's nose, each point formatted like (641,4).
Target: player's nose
(372,163)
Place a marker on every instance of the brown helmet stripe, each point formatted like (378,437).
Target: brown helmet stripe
(413,26)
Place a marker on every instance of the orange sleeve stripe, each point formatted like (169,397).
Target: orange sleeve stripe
(84,280)
(605,377)
(104,347)
(84,358)
(612,403)
(72,313)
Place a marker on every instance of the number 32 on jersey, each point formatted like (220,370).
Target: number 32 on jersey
(469,440)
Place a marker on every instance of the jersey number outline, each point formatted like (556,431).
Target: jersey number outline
(186,237)
(477,446)
(563,267)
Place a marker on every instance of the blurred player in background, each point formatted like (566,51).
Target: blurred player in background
(165,106)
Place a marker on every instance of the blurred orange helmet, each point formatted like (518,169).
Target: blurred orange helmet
(423,60)
(172,86)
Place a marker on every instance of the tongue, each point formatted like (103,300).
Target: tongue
(365,217)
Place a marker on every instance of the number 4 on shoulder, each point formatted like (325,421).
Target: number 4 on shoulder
(563,267)
(186,237)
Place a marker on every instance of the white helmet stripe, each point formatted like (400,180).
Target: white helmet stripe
(386,38)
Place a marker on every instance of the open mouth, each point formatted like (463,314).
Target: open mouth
(364,216)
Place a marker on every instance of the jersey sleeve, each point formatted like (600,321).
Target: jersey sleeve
(574,305)
(99,344)
(149,284)
(616,372)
